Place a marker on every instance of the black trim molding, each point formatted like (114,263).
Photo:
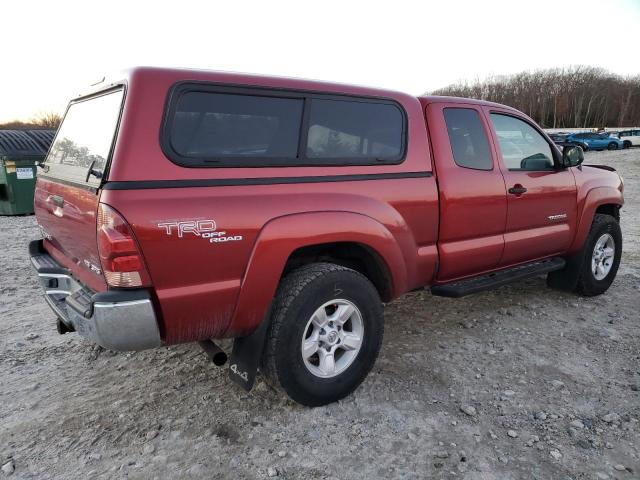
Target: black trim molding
(70,183)
(227,182)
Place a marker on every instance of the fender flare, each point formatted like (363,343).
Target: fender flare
(593,199)
(283,235)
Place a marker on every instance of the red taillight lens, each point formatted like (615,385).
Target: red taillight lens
(120,256)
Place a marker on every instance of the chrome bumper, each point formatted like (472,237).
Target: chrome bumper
(117,319)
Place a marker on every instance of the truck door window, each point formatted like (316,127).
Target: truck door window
(522,147)
(468,139)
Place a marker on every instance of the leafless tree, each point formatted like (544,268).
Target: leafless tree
(579,96)
(47,120)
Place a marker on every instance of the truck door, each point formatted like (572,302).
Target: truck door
(541,198)
(473,205)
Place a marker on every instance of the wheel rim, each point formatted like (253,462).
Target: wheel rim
(602,257)
(332,338)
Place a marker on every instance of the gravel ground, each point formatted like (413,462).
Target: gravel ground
(522,382)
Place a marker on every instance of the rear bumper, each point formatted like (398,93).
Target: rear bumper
(117,319)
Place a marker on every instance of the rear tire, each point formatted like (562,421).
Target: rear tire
(325,333)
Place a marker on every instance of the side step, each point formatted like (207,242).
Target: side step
(468,286)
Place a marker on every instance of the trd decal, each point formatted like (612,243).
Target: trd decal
(199,228)
(560,216)
(195,227)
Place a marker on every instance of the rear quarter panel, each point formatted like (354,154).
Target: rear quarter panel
(198,282)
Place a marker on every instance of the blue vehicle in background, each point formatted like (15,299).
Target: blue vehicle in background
(595,141)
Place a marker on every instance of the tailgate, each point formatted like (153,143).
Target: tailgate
(67,191)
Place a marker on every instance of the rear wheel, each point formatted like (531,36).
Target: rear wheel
(325,334)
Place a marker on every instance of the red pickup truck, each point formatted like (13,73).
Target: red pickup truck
(184,206)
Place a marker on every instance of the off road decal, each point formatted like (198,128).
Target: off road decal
(200,228)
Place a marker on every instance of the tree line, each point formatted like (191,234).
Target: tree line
(572,97)
(41,121)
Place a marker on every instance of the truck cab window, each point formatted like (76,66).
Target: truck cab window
(469,143)
(522,147)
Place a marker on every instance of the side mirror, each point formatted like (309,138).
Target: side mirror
(572,156)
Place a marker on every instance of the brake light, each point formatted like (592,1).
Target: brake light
(120,256)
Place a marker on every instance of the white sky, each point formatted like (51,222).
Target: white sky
(53,49)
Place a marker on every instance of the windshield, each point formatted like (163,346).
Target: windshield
(84,139)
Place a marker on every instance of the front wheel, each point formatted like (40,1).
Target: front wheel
(626,144)
(612,146)
(325,333)
(602,252)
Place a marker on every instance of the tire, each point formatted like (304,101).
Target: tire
(301,299)
(589,283)
(626,144)
(578,275)
(612,146)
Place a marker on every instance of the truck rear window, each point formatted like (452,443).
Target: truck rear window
(210,126)
(85,139)
(344,129)
(222,125)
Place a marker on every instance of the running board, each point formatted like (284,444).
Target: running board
(471,285)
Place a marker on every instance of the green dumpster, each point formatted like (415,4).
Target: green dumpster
(20,150)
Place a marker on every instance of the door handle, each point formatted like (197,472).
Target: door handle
(517,189)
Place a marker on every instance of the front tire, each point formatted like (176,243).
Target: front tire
(602,252)
(626,144)
(612,146)
(591,271)
(325,333)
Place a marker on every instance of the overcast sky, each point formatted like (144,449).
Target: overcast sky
(51,50)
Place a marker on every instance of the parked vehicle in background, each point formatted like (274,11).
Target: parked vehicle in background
(559,138)
(184,206)
(630,138)
(595,141)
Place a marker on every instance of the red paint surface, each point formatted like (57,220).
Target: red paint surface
(456,223)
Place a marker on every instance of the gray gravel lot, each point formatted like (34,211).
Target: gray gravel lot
(519,383)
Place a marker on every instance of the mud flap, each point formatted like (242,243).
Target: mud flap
(246,355)
(567,278)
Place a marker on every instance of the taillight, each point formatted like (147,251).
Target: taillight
(120,256)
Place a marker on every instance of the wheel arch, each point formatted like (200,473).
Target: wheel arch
(607,200)
(359,257)
(284,242)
